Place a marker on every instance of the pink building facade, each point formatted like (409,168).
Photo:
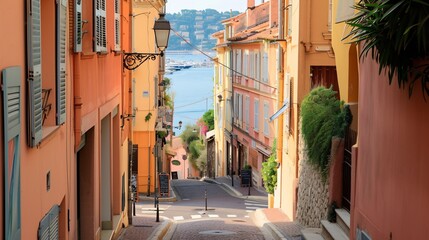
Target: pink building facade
(390,180)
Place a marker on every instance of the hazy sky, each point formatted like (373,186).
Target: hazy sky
(174,6)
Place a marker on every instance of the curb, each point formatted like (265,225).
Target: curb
(161,230)
(258,217)
(173,197)
(234,192)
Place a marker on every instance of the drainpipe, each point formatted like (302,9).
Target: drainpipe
(280,94)
(77,101)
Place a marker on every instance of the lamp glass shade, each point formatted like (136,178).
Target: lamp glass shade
(162,32)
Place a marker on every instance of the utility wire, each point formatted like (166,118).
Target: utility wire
(208,56)
(202,100)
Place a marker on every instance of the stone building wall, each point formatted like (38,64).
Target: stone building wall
(312,193)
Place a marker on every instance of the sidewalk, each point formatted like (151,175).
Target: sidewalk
(273,220)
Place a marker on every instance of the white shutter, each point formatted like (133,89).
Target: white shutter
(256,117)
(240,108)
(78,26)
(117,26)
(100,26)
(34,73)
(265,67)
(266,114)
(246,112)
(257,67)
(61,61)
(238,61)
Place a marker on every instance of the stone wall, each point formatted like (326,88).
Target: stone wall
(312,193)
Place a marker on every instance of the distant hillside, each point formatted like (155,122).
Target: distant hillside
(196,26)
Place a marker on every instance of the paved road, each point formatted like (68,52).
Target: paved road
(226,216)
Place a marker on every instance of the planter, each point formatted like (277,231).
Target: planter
(270,200)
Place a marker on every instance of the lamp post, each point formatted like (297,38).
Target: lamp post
(133,60)
(162,33)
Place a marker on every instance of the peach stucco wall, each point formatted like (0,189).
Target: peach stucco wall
(391,185)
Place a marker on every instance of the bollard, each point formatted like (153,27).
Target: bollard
(134,206)
(157,208)
(249,189)
(205,197)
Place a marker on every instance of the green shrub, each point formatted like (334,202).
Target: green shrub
(323,117)
(269,171)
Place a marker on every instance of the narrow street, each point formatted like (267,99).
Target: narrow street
(226,217)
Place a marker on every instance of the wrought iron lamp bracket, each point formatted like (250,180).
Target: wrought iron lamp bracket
(134,60)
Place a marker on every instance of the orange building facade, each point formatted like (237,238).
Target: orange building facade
(64,144)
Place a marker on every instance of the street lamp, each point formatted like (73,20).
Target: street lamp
(161,29)
(180,125)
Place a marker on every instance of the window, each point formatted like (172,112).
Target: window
(11,81)
(246,62)
(257,69)
(54,79)
(78,33)
(266,116)
(117,15)
(265,67)
(238,61)
(256,116)
(289,18)
(100,34)
(246,113)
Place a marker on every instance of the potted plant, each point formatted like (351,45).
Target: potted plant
(269,175)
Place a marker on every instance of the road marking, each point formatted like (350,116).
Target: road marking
(151,212)
(250,210)
(246,216)
(231,216)
(213,215)
(178,218)
(195,216)
(255,204)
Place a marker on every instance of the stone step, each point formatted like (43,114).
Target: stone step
(333,231)
(343,219)
(312,234)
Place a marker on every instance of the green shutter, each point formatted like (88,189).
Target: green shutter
(78,34)
(34,73)
(11,81)
(61,61)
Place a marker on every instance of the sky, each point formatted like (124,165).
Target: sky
(174,6)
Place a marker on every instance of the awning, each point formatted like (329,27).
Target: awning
(280,111)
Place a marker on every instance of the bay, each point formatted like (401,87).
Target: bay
(192,89)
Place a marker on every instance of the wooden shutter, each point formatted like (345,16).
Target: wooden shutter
(11,81)
(117,26)
(100,26)
(61,26)
(265,67)
(34,73)
(49,225)
(78,26)
(266,116)
(256,116)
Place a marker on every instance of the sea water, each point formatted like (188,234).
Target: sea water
(192,89)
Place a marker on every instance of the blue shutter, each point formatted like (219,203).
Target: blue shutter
(11,78)
(61,61)
(78,33)
(49,225)
(34,73)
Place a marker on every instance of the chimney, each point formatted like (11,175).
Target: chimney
(250,4)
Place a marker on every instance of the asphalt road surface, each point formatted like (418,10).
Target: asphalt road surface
(226,217)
